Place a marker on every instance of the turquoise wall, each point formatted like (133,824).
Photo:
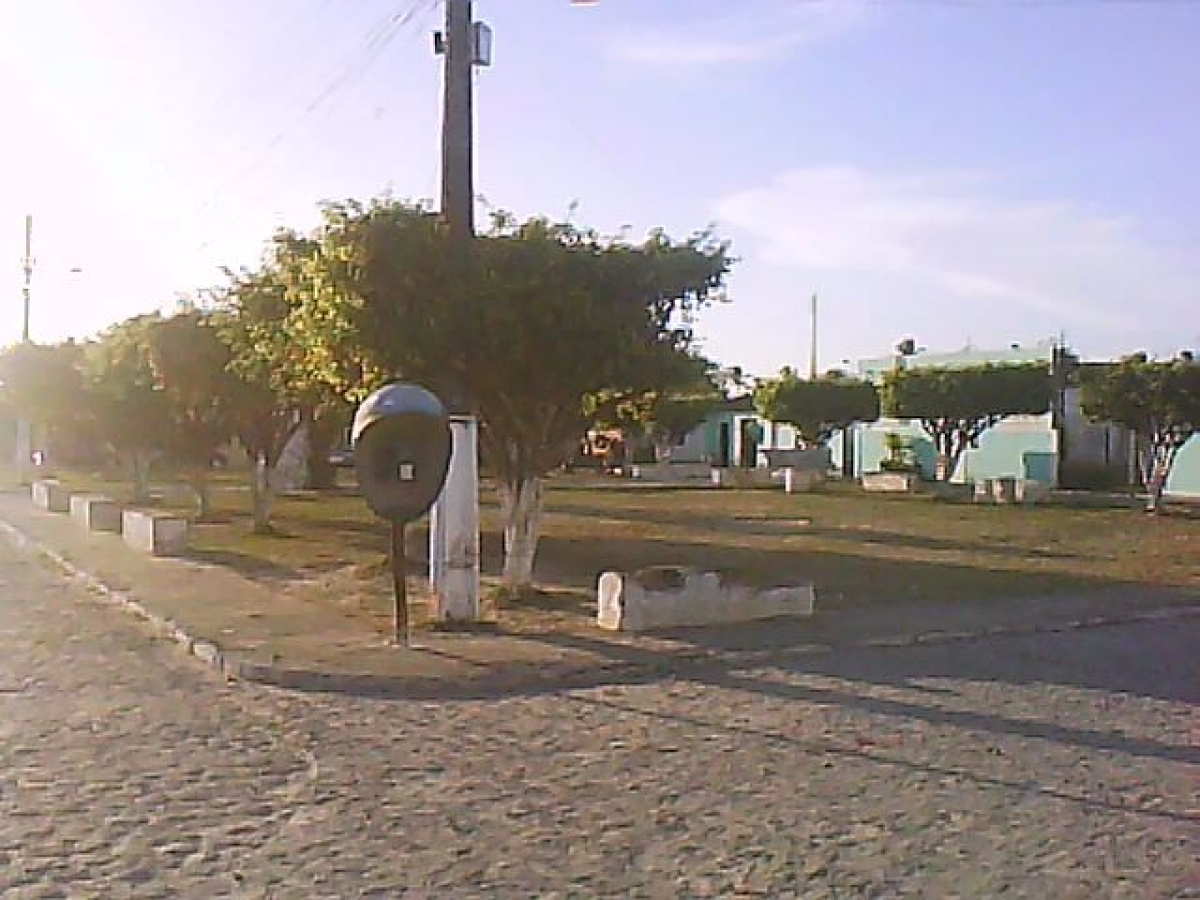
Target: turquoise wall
(1185,473)
(1022,447)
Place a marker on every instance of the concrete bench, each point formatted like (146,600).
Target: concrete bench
(1010,490)
(673,598)
(802,481)
(96,512)
(735,477)
(161,534)
(51,495)
(891,482)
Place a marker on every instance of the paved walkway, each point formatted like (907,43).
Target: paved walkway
(1060,765)
(257,632)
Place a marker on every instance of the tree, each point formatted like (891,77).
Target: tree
(191,366)
(687,392)
(128,409)
(43,384)
(522,327)
(274,395)
(819,407)
(1160,401)
(956,406)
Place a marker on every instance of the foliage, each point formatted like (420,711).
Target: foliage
(43,382)
(521,326)
(129,411)
(956,406)
(687,393)
(1158,400)
(819,407)
(192,369)
(899,456)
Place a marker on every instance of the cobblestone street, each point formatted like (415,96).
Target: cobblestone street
(1053,766)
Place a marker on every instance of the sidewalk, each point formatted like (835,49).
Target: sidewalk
(255,633)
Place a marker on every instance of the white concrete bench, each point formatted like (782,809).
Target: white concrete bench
(672,598)
(161,534)
(1010,490)
(890,482)
(51,495)
(96,512)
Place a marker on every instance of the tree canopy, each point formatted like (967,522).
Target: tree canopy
(1160,401)
(522,327)
(818,407)
(956,406)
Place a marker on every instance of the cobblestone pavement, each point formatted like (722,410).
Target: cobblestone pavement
(1055,766)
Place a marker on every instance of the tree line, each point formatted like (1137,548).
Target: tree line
(539,329)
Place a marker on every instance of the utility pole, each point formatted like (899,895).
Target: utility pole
(458,124)
(27,264)
(454,519)
(812,360)
(23,445)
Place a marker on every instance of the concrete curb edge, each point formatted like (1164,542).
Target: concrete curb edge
(236,668)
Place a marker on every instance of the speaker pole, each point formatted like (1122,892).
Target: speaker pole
(400,630)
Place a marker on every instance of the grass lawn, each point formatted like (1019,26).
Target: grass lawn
(856,548)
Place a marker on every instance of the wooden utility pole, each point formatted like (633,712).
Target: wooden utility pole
(454,523)
(458,176)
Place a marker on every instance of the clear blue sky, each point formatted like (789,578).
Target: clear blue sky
(983,171)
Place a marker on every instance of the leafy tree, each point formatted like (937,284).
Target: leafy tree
(275,394)
(528,323)
(43,384)
(1160,401)
(956,406)
(191,366)
(687,393)
(129,411)
(817,408)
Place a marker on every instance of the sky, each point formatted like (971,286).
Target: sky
(958,172)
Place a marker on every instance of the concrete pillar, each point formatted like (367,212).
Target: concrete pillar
(454,530)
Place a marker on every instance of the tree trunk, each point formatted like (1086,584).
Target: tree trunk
(260,495)
(521,506)
(203,496)
(1164,457)
(141,478)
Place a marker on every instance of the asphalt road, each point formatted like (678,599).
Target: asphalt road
(1051,766)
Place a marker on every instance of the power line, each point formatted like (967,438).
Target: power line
(352,68)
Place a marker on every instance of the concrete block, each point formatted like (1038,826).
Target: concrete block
(161,534)
(673,598)
(1004,490)
(735,477)
(890,482)
(670,472)
(1030,491)
(51,495)
(802,481)
(96,513)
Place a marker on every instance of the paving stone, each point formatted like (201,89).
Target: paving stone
(1051,765)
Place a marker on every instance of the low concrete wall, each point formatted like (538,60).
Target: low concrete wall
(741,478)
(50,495)
(96,513)
(670,472)
(672,598)
(1010,490)
(802,481)
(891,482)
(161,534)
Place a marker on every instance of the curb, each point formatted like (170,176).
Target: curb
(527,676)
